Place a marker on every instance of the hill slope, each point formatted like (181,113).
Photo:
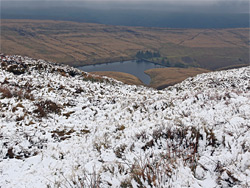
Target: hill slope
(164,77)
(61,127)
(78,44)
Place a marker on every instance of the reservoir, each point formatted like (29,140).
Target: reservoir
(131,67)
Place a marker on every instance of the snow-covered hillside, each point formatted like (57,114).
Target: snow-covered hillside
(60,127)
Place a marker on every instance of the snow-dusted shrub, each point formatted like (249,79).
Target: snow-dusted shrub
(5,92)
(179,146)
(20,93)
(86,180)
(45,107)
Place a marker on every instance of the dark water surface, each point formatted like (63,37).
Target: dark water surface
(132,67)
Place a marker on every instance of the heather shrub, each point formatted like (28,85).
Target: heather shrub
(45,107)
(5,92)
(16,69)
(178,145)
(20,93)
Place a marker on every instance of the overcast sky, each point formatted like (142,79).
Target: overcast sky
(151,1)
(238,6)
(172,1)
(148,13)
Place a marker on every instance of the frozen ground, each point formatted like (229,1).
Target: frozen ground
(61,127)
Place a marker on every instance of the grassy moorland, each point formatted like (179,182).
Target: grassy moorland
(85,43)
(80,44)
(160,77)
(163,77)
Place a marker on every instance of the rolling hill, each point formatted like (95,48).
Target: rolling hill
(78,44)
(61,127)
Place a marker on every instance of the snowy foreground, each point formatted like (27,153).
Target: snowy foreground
(60,127)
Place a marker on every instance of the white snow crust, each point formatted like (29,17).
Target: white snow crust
(61,127)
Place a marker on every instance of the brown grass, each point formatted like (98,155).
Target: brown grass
(45,107)
(160,77)
(163,77)
(85,43)
(20,93)
(5,92)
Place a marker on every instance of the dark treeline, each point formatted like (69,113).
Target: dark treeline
(147,54)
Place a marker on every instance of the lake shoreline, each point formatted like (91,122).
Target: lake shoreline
(133,67)
(108,62)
